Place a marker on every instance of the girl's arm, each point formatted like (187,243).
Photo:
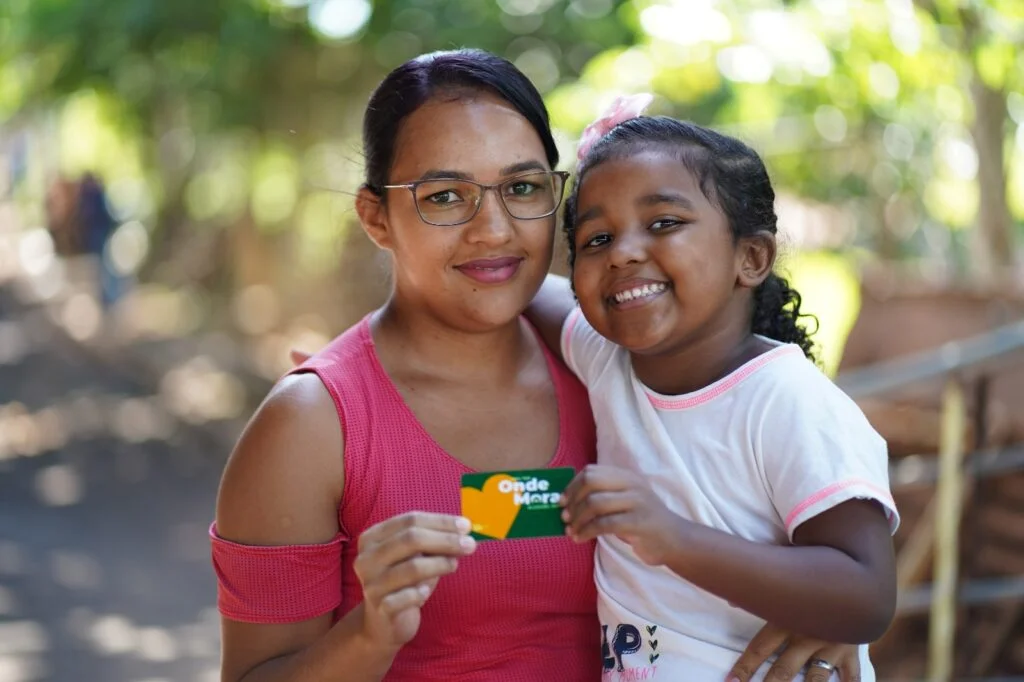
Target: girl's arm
(549,309)
(837,583)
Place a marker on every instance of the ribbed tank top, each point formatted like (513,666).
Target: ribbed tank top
(516,610)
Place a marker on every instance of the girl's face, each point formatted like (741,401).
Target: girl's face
(481,274)
(656,265)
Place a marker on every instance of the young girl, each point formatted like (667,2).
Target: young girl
(735,483)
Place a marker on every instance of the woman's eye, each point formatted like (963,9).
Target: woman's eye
(446,197)
(522,189)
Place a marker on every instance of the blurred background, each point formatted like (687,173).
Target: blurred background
(176,213)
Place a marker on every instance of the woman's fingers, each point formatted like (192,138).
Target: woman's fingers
(411,573)
(847,660)
(763,646)
(399,555)
(797,654)
(406,598)
(385,530)
(408,542)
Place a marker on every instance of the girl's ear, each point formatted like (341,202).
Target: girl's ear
(374,218)
(755,258)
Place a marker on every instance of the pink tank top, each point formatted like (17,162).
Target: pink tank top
(518,610)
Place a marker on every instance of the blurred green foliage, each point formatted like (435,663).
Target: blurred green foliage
(211,111)
(894,125)
(851,99)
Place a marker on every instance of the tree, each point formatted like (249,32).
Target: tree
(860,104)
(240,117)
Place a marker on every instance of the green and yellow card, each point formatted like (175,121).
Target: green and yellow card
(515,504)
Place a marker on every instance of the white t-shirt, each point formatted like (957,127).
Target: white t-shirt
(754,454)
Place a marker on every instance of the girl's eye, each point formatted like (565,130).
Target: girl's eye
(596,241)
(665,224)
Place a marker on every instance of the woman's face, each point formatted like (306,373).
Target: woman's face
(481,274)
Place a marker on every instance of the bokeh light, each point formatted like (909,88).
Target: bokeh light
(339,19)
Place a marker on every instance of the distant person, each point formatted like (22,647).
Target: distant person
(18,163)
(97,225)
(61,209)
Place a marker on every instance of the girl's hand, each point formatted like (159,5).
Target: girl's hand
(400,561)
(797,653)
(605,500)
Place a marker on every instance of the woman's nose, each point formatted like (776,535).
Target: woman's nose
(492,225)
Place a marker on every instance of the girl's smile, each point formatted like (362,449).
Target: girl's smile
(636,292)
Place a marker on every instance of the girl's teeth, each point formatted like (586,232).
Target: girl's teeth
(639,292)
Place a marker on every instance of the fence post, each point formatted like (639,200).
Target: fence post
(948,502)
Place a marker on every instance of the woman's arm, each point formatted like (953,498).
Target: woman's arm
(282,486)
(837,583)
(549,309)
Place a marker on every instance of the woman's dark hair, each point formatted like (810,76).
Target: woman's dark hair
(732,176)
(412,84)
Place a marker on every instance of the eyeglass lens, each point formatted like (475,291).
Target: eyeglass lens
(450,201)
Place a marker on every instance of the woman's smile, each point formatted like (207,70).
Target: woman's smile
(491,270)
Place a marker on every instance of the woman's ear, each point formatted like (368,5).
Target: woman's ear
(756,257)
(374,218)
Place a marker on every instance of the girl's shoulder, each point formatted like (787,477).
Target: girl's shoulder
(786,378)
(586,353)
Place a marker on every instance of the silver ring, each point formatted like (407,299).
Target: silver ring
(819,663)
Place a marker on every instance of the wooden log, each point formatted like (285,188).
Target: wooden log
(991,641)
(948,499)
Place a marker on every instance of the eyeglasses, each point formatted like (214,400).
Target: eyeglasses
(448,201)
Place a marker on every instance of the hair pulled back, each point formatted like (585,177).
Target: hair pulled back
(418,80)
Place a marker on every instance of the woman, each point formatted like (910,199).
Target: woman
(336,518)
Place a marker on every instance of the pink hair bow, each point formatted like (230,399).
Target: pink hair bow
(622,109)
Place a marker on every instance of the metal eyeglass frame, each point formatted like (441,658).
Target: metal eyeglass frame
(411,186)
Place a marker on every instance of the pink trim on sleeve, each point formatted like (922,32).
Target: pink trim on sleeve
(840,492)
(712,391)
(286,584)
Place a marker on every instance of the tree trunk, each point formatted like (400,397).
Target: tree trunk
(171,219)
(993,237)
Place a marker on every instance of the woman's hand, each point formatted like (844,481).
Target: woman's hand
(798,653)
(399,563)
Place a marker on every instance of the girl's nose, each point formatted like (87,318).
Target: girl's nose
(626,250)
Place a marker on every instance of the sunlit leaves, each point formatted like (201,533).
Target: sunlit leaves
(878,78)
(90,138)
(275,187)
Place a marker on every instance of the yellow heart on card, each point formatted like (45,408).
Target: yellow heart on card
(492,511)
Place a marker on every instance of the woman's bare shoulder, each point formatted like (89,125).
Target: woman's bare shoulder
(283,481)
